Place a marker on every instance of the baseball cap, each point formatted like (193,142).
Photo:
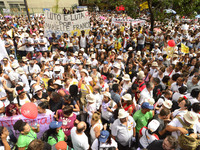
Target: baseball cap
(55,124)
(62,145)
(104,136)
(146,105)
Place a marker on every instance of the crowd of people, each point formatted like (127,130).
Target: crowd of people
(120,87)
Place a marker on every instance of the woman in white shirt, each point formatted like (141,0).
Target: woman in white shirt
(96,126)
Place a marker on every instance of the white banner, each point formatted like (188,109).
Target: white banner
(3,51)
(66,23)
(128,21)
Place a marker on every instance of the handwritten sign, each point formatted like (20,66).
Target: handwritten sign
(43,119)
(66,23)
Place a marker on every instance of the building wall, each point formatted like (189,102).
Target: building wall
(36,6)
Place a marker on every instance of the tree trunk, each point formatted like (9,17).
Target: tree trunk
(151,14)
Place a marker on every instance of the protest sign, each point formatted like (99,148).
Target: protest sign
(128,21)
(3,50)
(184,49)
(66,23)
(42,119)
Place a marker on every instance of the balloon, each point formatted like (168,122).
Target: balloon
(29,110)
(171,43)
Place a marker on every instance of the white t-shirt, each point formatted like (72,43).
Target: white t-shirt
(103,146)
(22,102)
(80,142)
(176,123)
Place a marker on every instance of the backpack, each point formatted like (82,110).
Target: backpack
(187,142)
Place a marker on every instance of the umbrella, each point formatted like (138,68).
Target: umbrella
(198,16)
(168,11)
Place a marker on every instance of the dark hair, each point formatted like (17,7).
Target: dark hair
(115,87)
(1,130)
(175,76)
(156,80)
(134,86)
(182,89)
(187,102)
(73,90)
(195,93)
(19,125)
(149,85)
(67,110)
(55,96)
(80,130)
(50,82)
(196,107)
(172,141)
(36,145)
(165,79)
(44,105)
(11,107)
(164,112)
(53,133)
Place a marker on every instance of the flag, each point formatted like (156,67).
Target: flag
(144,6)
(10,32)
(184,48)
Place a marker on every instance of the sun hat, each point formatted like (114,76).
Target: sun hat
(93,56)
(47,74)
(104,136)
(85,71)
(58,82)
(122,114)
(88,62)
(62,53)
(113,51)
(130,48)
(154,64)
(146,105)
(138,53)
(126,77)
(127,97)
(153,125)
(140,75)
(57,63)
(15,65)
(150,100)
(77,61)
(20,71)
(117,65)
(167,104)
(119,57)
(191,117)
(76,53)
(82,49)
(56,69)
(107,94)
(55,124)
(11,55)
(90,98)
(37,88)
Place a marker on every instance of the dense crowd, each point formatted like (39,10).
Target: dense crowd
(120,87)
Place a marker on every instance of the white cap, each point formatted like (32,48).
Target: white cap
(82,49)
(57,63)
(107,94)
(130,48)
(37,88)
(47,74)
(77,61)
(117,65)
(62,53)
(167,104)
(58,82)
(119,57)
(56,69)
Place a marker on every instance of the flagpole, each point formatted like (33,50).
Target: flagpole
(26,5)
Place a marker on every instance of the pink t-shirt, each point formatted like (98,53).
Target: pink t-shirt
(67,123)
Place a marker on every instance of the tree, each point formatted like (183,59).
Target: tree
(156,8)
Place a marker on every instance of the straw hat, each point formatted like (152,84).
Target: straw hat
(122,114)
(77,61)
(126,77)
(167,104)
(150,100)
(191,117)
(15,65)
(85,71)
(140,75)
(88,62)
(127,97)
(154,64)
(90,98)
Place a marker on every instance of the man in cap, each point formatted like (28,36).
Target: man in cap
(28,43)
(178,125)
(142,116)
(123,130)
(43,42)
